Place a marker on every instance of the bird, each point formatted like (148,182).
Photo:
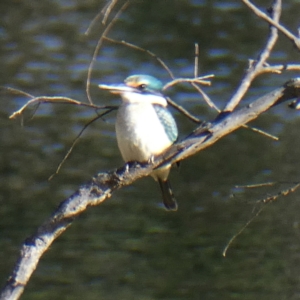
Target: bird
(145,127)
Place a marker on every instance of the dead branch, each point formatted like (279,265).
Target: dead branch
(103,185)
(97,48)
(64,100)
(135,47)
(256,67)
(273,22)
(266,200)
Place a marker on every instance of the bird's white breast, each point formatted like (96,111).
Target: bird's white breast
(140,134)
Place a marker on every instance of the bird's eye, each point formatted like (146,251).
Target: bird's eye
(142,86)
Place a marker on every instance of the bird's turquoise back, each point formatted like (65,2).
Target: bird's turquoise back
(168,122)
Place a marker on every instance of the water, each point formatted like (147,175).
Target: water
(129,247)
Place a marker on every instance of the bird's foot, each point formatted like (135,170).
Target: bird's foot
(130,164)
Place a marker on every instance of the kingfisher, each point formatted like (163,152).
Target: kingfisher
(145,127)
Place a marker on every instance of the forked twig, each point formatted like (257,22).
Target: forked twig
(106,10)
(273,22)
(266,200)
(208,101)
(46,99)
(255,68)
(198,80)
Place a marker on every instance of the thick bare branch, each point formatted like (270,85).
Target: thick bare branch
(103,185)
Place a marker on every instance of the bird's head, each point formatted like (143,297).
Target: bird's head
(139,88)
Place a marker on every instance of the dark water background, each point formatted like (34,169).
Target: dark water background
(129,247)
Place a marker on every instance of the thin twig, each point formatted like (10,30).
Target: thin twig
(264,184)
(241,231)
(77,139)
(98,46)
(16,91)
(266,200)
(281,193)
(210,103)
(279,68)
(108,10)
(262,132)
(253,186)
(199,80)
(206,98)
(183,111)
(133,46)
(196,64)
(95,20)
(65,100)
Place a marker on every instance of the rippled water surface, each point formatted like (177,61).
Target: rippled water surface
(130,247)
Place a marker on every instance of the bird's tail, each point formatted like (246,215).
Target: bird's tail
(167,194)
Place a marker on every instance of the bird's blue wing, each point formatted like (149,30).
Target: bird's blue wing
(168,122)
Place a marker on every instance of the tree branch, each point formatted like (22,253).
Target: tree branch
(256,67)
(274,23)
(103,185)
